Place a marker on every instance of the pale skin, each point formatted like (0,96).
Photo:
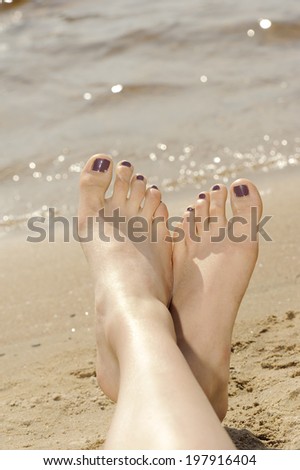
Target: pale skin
(167,368)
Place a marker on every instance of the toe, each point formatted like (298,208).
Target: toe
(188,224)
(94,182)
(152,201)
(202,212)
(177,234)
(245,198)
(159,225)
(218,195)
(124,171)
(137,193)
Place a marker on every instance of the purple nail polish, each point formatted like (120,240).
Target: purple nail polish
(216,187)
(190,209)
(241,190)
(202,196)
(154,187)
(126,164)
(101,165)
(140,177)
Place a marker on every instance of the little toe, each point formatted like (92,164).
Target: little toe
(245,197)
(218,195)
(152,201)
(124,171)
(94,182)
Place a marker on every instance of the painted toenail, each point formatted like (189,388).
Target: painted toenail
(154,187)
(126,164)
(241,190)
(216,187)
(190,209)
(202,196)
(140,177)
(101,164)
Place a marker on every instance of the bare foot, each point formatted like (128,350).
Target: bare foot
(210,279)
(123,271)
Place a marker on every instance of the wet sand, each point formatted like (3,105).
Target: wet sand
(48,394)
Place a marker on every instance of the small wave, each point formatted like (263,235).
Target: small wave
(13,4)
(279,31)
(231,165)
(159,36)
(131,91)
(86,17)
(284,31)
(185,170)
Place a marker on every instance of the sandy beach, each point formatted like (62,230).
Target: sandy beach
(49,395)
(192,94)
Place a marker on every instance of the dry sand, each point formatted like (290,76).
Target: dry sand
(48,392)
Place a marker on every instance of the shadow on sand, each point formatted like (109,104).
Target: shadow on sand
(245,440)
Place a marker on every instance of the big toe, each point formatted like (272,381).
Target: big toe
(94,182)
(245,199)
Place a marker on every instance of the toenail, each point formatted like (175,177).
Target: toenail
(140,177)
(202,196)
(190,209)
(101,164)
(216,187)
(241,190)
(154,187)
(126,164)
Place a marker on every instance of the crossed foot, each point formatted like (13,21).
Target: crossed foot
(202,283)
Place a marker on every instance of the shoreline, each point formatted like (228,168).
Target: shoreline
(49,396)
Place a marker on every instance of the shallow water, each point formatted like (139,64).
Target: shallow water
(188,91)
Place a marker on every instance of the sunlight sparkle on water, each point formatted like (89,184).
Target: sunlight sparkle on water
(162,146)
(250,33)
(117,88)
(265,23)
(87,96)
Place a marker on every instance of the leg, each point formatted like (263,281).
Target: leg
(210,279)
(159,402)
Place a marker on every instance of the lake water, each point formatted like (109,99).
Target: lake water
(187,90)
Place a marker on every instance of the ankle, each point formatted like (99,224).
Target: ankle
(126,318)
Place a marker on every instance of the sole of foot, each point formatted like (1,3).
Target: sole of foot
(131,266)
(213,261)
